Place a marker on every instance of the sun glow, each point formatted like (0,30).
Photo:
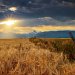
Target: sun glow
(9,22)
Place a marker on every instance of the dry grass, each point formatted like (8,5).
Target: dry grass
(28,57)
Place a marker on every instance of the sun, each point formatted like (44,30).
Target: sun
(9,22)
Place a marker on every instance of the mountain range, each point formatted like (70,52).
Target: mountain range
(55,34)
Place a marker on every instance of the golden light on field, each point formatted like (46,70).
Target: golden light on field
(12,8)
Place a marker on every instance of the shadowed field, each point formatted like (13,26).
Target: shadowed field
(37,56)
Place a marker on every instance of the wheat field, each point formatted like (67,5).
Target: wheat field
(37,56)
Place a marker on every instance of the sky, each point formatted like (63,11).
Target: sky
(36,16)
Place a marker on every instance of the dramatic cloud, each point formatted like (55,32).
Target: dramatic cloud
(35,8)
(38,15)
(27,30)
(64,21)
(36,3)
(47,21)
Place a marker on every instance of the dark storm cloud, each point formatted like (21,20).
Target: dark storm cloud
(68,0)
(42,8)
(36,3)
(25,2)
